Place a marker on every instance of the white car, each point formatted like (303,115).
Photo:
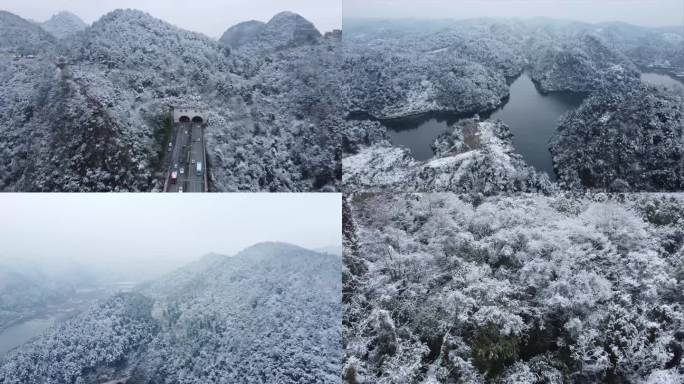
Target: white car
(193,161)
(180,189)
(182,171)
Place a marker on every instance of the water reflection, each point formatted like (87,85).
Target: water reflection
(531,115)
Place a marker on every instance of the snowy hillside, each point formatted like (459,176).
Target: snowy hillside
(90,348)
(24,293)
(441,288)
(21,37)
(626,140)
(271,313)
(276,307)
(242,33)
(63,24)
(583,63)
(477,156)
(282,127)
(89,113)
(284,30)
(398,69)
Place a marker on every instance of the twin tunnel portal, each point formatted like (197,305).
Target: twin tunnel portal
(186,155)
(186,119)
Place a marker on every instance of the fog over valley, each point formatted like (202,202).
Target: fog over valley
(131,288)
(137,236)
(652,13)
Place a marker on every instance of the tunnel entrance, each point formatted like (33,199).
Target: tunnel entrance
(189,114)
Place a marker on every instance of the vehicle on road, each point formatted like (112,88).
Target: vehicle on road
(182,171)
(194,161)
(180,189)
(170,146)
(174,177)
(199,168)
(175,166)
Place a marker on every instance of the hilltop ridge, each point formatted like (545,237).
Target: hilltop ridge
(255,315)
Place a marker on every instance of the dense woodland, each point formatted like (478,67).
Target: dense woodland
(477,156)
(87,110)
(398,69)
(443,288)
(268,314)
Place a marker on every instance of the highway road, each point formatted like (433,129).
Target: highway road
(187,149)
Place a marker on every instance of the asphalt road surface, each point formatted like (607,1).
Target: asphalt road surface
(186,151)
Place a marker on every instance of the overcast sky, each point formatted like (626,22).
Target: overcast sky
(211,17)
(640,12)
(143,231)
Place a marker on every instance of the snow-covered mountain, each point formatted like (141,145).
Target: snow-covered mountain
(22,37)
(271,313)
(284,30)
(580,64)
(63,24)
(289,28)
(242,33)
(89,112)
(400,69)
(636,137)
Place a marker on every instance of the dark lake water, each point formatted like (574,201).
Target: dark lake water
(418,133)
(19,334)
(531,115)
